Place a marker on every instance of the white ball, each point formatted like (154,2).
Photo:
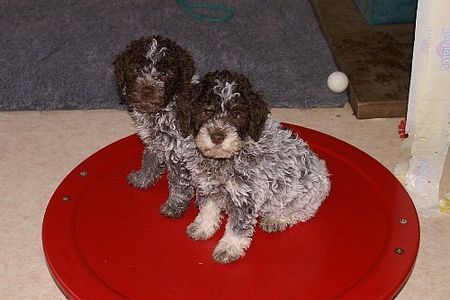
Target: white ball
(337,82)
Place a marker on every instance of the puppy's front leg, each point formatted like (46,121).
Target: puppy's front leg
(208,219)
(238,233)
(181,190)
(151,170)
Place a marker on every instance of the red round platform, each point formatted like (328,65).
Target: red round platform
(105,240)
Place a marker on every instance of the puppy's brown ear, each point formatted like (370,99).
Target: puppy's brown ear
(185,92)
(183,108)
(119,72)
(187,69)
(258,109)
(127,65)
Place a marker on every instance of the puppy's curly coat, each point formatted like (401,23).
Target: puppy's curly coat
(246,164)
(154,76)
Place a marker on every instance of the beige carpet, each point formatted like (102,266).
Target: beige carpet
(38,149)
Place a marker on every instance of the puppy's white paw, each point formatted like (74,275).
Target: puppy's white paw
(225,256)
(206,223)
(230,248)
(200,231)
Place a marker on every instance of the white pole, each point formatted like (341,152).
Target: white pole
(428,119)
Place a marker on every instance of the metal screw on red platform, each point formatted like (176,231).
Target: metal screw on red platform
(399,251)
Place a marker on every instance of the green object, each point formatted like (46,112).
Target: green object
(190,7)
(388,11)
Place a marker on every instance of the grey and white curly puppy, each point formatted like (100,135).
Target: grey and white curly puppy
(154,76)
(245,164)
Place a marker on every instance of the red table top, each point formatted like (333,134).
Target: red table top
(105,240)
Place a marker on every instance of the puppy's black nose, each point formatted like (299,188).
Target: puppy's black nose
(217,137)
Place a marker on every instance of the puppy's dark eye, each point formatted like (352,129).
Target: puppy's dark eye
(207,111)
(166,75)
(236,115)
(162,75)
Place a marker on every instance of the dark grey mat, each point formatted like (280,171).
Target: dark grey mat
(57,54)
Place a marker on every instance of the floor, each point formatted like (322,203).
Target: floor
(38,149)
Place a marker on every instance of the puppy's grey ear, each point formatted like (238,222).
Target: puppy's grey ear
(259,111)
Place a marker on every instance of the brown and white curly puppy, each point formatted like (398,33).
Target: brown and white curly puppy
(154,76)
(245,164)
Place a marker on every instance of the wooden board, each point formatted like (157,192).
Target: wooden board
(376,59)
